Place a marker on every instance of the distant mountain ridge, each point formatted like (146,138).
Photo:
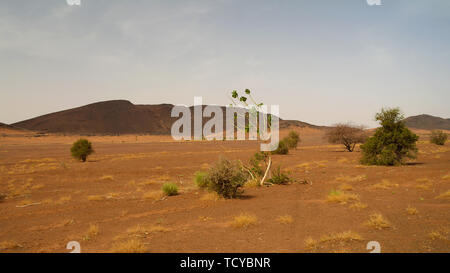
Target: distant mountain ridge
(115,117)
(427,122)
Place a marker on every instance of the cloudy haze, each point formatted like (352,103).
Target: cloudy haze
(322,61)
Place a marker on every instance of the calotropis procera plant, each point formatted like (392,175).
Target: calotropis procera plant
(253,109)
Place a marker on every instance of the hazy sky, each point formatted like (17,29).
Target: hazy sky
(322,61)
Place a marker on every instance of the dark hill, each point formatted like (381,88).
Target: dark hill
(427,122)
(114,117)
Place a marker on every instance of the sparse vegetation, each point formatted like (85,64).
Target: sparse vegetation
(129,246)
(438,137)
(285,219)
(282,148)
(244,221)
(292,140)
(337,196)
(226,177)
(445,195)
(411,210)
(347,135)
(81,149)
(5,245)
(385,185)
(200,179)
(391,143)
(170,189)
(334,239)
(279,177)
(377,221)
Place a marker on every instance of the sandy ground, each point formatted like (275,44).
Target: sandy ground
(113,201)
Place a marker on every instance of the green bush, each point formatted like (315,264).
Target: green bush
(170,189)
(279,177)
(256,163)
(226,177)
(81,149)
(438,137)
(282,149)
(292,140)
(200,179)
(391,143)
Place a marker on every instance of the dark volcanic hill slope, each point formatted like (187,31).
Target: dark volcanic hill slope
(114,117)
(427,122)
(109,117)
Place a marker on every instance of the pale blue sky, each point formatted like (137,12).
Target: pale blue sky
(322,61)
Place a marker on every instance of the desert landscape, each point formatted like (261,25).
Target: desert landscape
(113,202)
(224,130)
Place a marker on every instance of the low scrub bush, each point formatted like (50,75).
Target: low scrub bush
(279,177)
(292,140)
(200,179)
(282,149)
(170,189)
(226,177)
(438,137)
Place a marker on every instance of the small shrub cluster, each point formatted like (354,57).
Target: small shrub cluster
(170,189)
(289,142)
(200,179)
(225,178)
(438,137)
(282,148)
(279,177)
(292,140)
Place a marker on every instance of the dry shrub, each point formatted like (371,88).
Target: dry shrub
(384,185)
(244,221)
(411,210)
(377,221)
(285,219)
(347,135)
(129,246)
(336,196)
(445,195)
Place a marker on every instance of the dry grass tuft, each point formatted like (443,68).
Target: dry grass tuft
(5,245)
(447,176)
(285,219)
(358,206)
(384,185)
(244,221)
(63,200)
(411,210)
(437,235)
(377,221)
(211,196)
(347,178)
(336,196)
(129,246)
(445,195)
(106,178)
(96,198)
(346,187)
(92,231)
(334,239)
(154,195)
